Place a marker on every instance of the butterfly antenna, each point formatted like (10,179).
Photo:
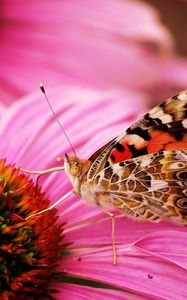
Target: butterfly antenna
(55,117)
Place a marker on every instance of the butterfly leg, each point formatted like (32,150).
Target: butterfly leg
(41,173)
(52,206)
(112,235)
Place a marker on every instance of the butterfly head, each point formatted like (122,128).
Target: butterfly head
(76,168)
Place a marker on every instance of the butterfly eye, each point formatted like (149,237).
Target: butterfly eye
(75,169)
(182,203)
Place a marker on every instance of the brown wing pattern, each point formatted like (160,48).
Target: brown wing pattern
(163,128)
(151,187)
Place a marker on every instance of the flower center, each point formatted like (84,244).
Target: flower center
(30,250)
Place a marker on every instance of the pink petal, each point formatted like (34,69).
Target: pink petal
(101,43)
(77,214)
(175,73)
(2,108)
(161,244)
(136,270)
(74,292)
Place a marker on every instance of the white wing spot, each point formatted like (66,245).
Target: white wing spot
(181,156)
(158,184)
(145,162)
(177,165)
(134,139)
(184,123)
(183,96)
(159,114)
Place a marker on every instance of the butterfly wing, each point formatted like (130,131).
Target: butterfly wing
(151,187)
(162,128)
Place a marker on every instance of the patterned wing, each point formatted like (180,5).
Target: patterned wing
(162,128)
(152,187)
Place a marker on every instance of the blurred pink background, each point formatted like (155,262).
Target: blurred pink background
(102,44)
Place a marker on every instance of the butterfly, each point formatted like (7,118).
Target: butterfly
(142,172)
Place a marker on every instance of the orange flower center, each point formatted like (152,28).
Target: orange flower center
(30,250)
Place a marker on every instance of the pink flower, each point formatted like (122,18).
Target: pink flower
(151,258)
(102,43)
(2,107)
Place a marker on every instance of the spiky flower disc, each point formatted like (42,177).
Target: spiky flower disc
(29,249)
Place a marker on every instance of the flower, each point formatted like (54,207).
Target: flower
(29,248)
(151,258)
(108,44)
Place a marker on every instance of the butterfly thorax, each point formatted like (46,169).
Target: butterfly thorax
(76,169)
